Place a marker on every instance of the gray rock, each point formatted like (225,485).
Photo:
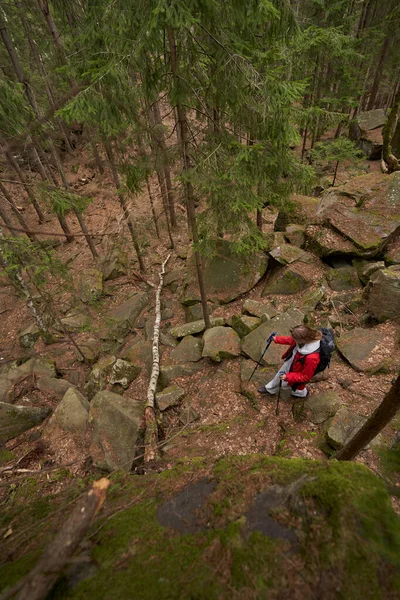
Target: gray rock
(343,427)
(116,423)
(393,193)
(90,349)
(99,376)
(290,280)
(90,285)
(253,344)
(170,396)
(243,324)
(343,279)
(195,327)
(53,387)
(371,119)
(114,264)
(383,294)
(173,279)
(366,268)
(188,350)
(302,211)
(295,235)
(195,311)
(121,319)
(258,309)
(172,372)
(72,413)
(311,299)
(221,342)
(286,254)
(261,376)
(392,254)
(167,313)
(74,320)
(321,407)
(188,415)
(123,373)
(14,420)
(227,274)
(29,336)
(13,374)
(367,350)
(140,354)
(167,339)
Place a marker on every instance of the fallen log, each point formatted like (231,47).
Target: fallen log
(151,448)
(38,583)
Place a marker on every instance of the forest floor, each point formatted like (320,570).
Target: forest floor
(229,422)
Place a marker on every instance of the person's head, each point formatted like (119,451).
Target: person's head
(305,335)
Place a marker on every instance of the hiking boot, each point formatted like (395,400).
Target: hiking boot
(262,390)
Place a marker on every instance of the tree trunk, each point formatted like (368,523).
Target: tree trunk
(390,161)
(377,421)
(151,436)
(153,212)
(335,173)
(117,183)
(259,219)
(164,196)
(19,282)
(26,187)
(7,221)
(40,581)
(17,213)
(183,136)
(378,74)
(160,141)
(16,64)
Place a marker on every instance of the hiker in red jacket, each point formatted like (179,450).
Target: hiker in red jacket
(301,361)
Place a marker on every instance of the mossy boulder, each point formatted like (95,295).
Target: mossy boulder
(258,309)
(343,427)
(302,210)
(140,354)
(369,350)
(318,408)
(90,286)
(165,534)
(170,396)
(243,324)
(195,327)
(171,372)
(342,279)
(121,319)
(115,423)
(29,336)
(221,342)
(114,263)
(189,349)
(15,420)
(35,367)
(194,312)
(53,387)
(295,235)
(72,413)
(75,320)
(99,376)
(123,373)
(392,253)
(290,280)
(383,294)
(285,254)
(227,274)
(365,268)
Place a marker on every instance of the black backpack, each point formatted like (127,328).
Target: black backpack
(326,348)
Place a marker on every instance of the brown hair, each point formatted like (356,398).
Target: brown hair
(304,335)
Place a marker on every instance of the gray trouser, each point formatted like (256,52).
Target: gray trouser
(273,386)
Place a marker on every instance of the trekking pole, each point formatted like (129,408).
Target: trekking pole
(279,393)
(269,340)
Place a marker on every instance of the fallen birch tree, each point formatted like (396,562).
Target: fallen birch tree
(151,451)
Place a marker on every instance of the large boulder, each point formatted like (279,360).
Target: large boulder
(116,423)
(295,235)
(123,373)
(285,254)
(259,309)
(90,285)
(35,367)
(55,388)
(318,408)
(392,253)
(189,349)
(29,336)
(295,277)
(344,426)
(14,420)
(361,131)
(343,279)
(99,376)
(357,217)
(170,396)
(221,342)
(243,324)
(171,372)
(369,350)
(195,327)
(227,274)
(383,294)
(121,319)
(114,263)
(140,354)
(371,119)
(194,312)
(72,413)
(302,210)
(253,344)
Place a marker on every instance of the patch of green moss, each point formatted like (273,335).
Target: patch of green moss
(12,572)
(6,456)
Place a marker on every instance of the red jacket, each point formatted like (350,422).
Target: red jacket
(303,366)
